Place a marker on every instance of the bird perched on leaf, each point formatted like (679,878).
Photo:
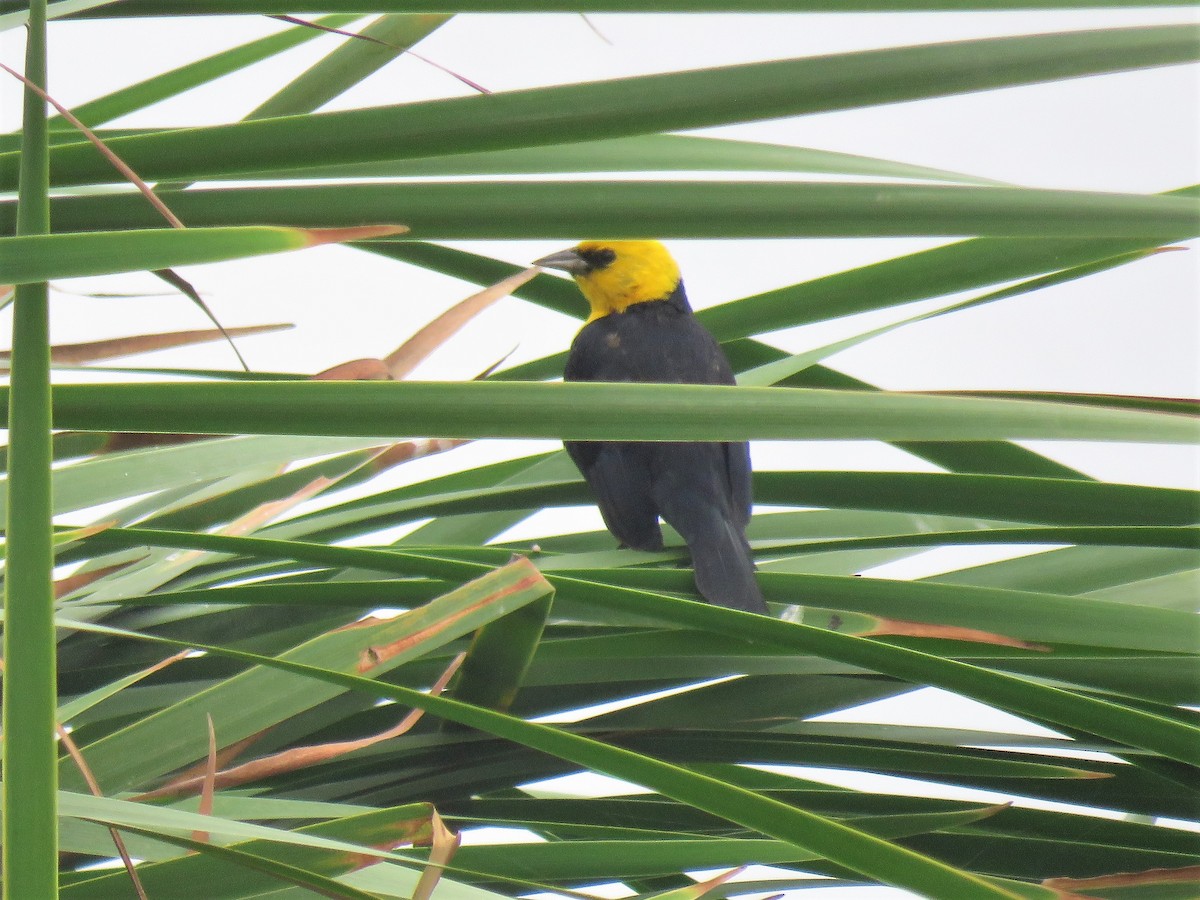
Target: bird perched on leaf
(641,328)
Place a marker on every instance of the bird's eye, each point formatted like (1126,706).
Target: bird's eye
(599,257)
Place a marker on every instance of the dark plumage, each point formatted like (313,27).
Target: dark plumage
(702,489)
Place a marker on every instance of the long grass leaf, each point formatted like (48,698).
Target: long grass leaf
(349,64)
(29,751)
(856,849)
(581,411)
(671,102)
(668,209)
(32,258)
(169,84)
(1123,724)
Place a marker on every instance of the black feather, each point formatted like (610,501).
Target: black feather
(701,489)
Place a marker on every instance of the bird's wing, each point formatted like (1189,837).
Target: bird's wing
(737,467)
(619,476)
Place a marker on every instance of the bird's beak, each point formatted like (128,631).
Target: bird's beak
(567,260)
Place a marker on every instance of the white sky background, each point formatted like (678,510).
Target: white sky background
(1133,330)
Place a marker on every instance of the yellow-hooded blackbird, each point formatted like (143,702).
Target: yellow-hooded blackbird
(641,328)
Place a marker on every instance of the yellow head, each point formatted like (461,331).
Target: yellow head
(614,275)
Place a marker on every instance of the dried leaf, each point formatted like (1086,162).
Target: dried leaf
(318,236)
(163,663)
(415,831)
(373,656)
(587,20)
(210,781)
(255,519)
(91,351)
(69,536)
(72,583)
(444,844)
(117,162)
(698,890)
(173,278)
(406,451)
(486,373)
(225,756)
(265,512)
(474,85)
(896,627)
(1185,875)
(119,441)
(298,757)
(356,370)
(152,198)
(417,348)
(64,737)
(292,20)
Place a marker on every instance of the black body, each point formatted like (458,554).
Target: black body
(701,489)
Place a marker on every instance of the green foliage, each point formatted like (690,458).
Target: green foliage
(580,657)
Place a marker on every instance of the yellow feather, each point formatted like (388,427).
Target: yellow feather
(641,272)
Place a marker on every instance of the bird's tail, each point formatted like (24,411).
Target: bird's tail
(723,565)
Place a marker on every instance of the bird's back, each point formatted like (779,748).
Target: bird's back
(660,341)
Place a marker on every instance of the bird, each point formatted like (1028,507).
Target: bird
(641,328)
